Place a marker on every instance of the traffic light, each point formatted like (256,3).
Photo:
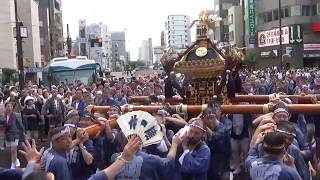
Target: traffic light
(99,41)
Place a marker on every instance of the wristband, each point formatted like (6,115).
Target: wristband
(121,158)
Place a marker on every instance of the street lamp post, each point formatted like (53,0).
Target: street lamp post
(19,47)
(280,31)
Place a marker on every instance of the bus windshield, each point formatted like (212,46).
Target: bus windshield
(85,76)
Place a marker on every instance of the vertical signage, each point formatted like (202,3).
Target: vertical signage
(296,34)
(251,18)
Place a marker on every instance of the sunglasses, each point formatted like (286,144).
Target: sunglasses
(286,133)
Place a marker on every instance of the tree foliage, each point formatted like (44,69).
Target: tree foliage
(251,60)
(134,64)
(9,75)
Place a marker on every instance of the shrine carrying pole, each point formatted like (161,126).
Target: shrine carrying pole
(197,109)
(227,109)
(259,99)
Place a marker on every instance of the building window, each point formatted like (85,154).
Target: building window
(265,17)
(296,10)
(57,5)
(231,36)
(313,10)
(226,36)
(275,14)
(306,10)
(261,18)
(285,12)
(269,16)
(230,19)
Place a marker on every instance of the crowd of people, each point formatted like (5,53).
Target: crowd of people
(213,145)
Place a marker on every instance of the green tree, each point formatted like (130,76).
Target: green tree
(134,64)
(251,60)
(9,76)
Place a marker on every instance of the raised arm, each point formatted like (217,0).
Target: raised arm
(128,154)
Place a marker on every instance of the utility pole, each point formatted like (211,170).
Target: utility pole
(222,37)
(19,47)
(69,41)
(280,42)
(50,29)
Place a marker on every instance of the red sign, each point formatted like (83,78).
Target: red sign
(315,27)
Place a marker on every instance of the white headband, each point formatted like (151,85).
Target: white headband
(285,132)
(199,127)
(281,110)
(63,132)
(70,125)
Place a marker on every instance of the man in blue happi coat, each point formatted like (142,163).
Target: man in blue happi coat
(194,162)
(276,163)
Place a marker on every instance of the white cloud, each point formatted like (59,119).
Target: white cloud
(141,18)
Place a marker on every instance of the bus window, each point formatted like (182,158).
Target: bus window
(65,76)
(85,76)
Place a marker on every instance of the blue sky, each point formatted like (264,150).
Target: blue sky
(141,19)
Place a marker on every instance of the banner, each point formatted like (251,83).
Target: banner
(251,18)
(272,37)
(33,70)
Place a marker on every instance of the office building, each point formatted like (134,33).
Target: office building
(119,53)
(300,21)
(51,29)
(178,32)
(146,52)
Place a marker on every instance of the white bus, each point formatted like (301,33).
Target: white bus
(70,70)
